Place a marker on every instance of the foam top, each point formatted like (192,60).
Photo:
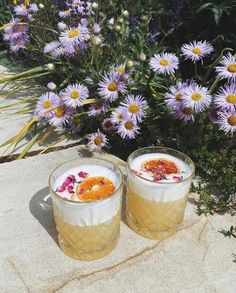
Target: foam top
(139,166)
(67,189)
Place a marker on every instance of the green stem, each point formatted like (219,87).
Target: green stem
(214,84)
(215,62)
(45,28)
(195,70)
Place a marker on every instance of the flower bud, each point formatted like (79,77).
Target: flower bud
(96,41)
(130,63)
(111,21)
(120,20)
(95,5)
(144,17)
(41,6)
(125,13)
(50,66)
(142,56)
(117,28)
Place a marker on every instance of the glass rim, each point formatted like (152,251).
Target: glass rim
(192,174)
(52,191)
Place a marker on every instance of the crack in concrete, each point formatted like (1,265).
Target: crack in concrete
(102,273)
(18,273)
(130,261)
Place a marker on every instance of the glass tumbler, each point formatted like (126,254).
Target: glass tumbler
(155,207)
(87,230)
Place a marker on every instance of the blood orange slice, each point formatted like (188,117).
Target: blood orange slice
(94,188)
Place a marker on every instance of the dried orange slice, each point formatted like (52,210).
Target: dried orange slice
(94,188)
(160,166)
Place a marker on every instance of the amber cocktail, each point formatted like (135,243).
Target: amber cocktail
(159,180)
(86,196)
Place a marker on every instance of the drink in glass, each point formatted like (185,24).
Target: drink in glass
(158,184)
(86,195)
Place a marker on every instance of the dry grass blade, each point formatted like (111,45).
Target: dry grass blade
(28,146)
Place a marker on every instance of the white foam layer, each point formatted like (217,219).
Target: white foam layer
(87,213)
(165,190)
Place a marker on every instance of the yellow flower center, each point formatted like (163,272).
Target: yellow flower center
(120,116)
(164,62)
(232,120)
(133,108)
(196,97)
(188,110)
(67,11)
(129,125)
(19,30)
(60,112)
(113,86)
(73,33)
(121,69)
(232,68)
(178,97)
(75,95)
(24,8)
(231,99)
(46,104)
(98,140)
(197,51)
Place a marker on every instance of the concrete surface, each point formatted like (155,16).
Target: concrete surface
(198,259)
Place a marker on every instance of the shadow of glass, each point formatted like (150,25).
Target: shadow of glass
(40,207)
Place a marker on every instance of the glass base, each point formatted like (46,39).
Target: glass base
(88,242)
(152,219)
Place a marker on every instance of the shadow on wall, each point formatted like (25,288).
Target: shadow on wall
(40,207)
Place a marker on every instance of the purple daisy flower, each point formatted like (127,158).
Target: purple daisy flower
(50,47)
(98,108)
(135,107)
(227,121)
(121,69)
(226,97)
(110,87)
(61,26)
(196,97)
(65,13)
(107,125)
(74,36)
(174,97)
(118,115)
(17,43)
(74,95)
(61,116)
(33,7)
(47,102)
(51,85)
(164,63)
(196,50)
(21,9)
(96,141)
(127,128)
(227,68)
(96,28)
(184,113)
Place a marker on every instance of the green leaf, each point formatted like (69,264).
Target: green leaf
(202,7)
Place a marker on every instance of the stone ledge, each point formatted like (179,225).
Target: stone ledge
(197,259)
